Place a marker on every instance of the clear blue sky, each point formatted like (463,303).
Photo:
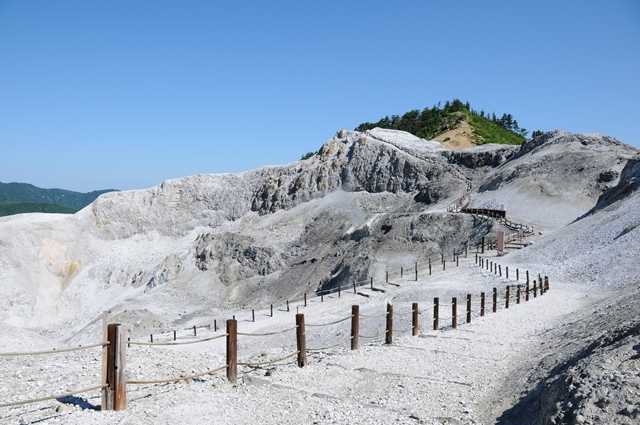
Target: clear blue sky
(124,94)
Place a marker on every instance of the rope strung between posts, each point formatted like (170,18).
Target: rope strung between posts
(372,316)
(53,351)
(52,397)
(329,323)
(195,341)
(178,379)
(268,333)
(268,362)
(370,337)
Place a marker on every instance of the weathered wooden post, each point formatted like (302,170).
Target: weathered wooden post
(151,338)
(271,310)
(468,308)
(416,266)
(506,298)
(388,337)
(476,261)
(253,315)
(481,303)
(305,298)
(415,323)
(355,326)
(195,331)
(535,289)
(527,274)
(232,350)
(354,288)
(518,294)
(526,293)
(287,306)
(215,325)
(114,394)
(546,283)
(322,297)
(495,299)
(457,261)
(517,274)
(386,276)
(371,281)
(500,270)
(482,245)
(401,272)
(454,312)
(175,336)
(444,264)
(300,341)
(506,270)
(436,305)
(429,266)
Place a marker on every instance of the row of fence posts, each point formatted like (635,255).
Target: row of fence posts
(455,258)
(115,397)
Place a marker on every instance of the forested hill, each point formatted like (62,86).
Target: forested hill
(430,123)
(18,198)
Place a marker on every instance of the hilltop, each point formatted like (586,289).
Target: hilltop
(456,124)
(18,198)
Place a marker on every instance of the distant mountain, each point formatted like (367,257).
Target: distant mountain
(16,198)
(455,124)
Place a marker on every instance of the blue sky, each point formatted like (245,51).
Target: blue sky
(124,94)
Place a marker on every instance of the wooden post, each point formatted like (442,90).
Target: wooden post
(300,341)
(388,338)
(232,350)
(535,289)
(321,298)
(415,323)
(466,250)
(495,300)
(476,259)
(339,290)
(517,274)
(354,288)
(271,306)
(174,335)
(287,305)
(401,272)
(151,338)
(195,332)
(518,294)
(507,271)
(482,245)
(436,305)
(481,303)
(468,308)
(215,325)
(453,256)
(371,281)
(386,276)
(527,273)
(506,298)
(429,266)
(416,265)
(526,293)
(114,395)
(253,315)
(457,261)
(454,312)
(355,326)
(500,270)
(444,264)
(546,283)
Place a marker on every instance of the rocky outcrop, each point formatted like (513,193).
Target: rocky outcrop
(628,184)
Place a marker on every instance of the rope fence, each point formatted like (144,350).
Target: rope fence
(460,311)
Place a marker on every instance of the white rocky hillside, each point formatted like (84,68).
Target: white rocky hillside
(193,245)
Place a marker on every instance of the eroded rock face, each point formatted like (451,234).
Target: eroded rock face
(628,184)
(235,257)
